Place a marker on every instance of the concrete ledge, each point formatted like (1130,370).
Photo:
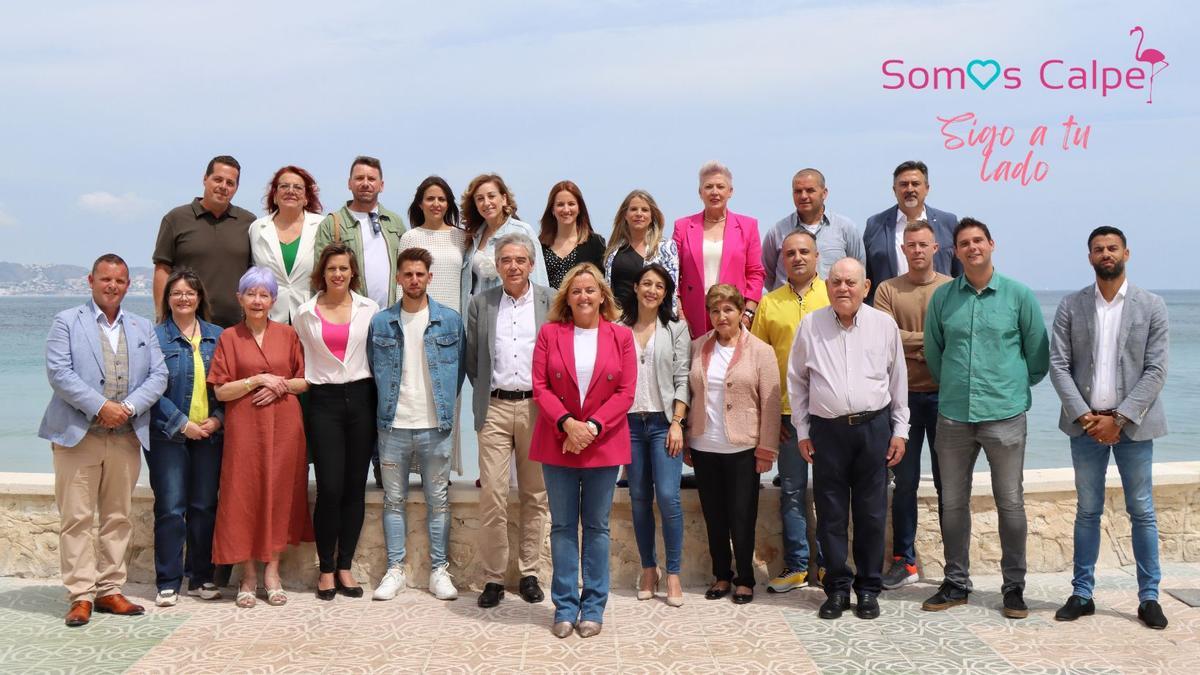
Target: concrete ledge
(29,530)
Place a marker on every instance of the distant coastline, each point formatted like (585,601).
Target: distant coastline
(18,280)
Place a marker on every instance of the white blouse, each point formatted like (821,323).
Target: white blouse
(320,365)
(646,397)
(585,358)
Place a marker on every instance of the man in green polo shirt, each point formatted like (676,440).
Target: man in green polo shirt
(985,345)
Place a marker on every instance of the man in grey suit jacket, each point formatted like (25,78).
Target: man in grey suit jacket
(1108,364)
(883,237)
(502,327)
(106,369)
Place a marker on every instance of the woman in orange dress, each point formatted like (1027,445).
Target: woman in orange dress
(257,370)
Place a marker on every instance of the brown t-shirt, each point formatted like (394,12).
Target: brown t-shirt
(906,303)
(217,248)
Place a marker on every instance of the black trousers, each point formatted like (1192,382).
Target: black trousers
(341,438)
(728,486)
(850,472)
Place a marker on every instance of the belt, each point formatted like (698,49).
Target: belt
(1107,413)
(505,395)
(855,419)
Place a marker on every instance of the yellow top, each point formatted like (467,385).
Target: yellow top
(198,412)
(777,318)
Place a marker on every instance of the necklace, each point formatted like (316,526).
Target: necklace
(718,220)
(192,337)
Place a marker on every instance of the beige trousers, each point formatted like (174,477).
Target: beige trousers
(505,435)
(95,477)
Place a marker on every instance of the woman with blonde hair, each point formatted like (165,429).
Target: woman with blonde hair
(638,239)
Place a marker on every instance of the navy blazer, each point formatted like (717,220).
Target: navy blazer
(880,244)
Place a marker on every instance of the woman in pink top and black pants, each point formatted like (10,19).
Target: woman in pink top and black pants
(332,327)
(584,376)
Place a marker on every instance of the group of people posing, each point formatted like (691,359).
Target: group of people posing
(343,340)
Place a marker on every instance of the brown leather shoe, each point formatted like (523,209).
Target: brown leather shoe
(118,604)
(79,614)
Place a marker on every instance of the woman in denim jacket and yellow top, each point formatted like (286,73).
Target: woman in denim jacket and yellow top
(185,444)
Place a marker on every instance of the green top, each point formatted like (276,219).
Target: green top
(289,254)
(985,349)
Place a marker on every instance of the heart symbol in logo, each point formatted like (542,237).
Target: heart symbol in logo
(984,65)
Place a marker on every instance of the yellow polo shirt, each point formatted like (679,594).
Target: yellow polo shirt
(777,318)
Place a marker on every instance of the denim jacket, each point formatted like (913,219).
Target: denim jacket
(169,415)
(445,346)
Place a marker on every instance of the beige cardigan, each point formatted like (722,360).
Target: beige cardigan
(752,406)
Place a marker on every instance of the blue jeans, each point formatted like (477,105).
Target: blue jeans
(922,421)
(654,472)
(185,478)
(793,507)
(1134,461)
(431,447)
(579,495)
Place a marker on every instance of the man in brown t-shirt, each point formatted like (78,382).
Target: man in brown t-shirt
(211,236)
(905,298)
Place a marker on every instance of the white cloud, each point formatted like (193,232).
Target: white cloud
(128,205)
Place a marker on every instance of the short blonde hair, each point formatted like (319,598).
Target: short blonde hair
(561,311)
(713,166)
(723,293)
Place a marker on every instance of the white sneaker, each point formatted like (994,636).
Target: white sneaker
(440,584)
(166,598)
(392,583)
(206,591)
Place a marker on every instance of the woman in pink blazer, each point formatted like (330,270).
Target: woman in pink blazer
(584,374)
(717,246)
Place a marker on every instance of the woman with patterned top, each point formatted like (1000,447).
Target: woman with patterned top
(437,228)
(282,241)
(489,212)
(567,238)
(638,240)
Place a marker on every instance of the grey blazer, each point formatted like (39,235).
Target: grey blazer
(481,341)
(1141,360)
(672,363)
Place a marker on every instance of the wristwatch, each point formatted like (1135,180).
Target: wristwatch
(592,426)
(129,408)
(1120,420)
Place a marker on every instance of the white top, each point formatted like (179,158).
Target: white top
(112,331)
(320,365)
(414,406)
(646,397)
(516,335)
(712,262)
(901,223)
(294,289)
(714,438)
(585,358)
(447,247)
(1104,368)
(376,263)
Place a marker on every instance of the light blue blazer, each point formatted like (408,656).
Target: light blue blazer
(75,368)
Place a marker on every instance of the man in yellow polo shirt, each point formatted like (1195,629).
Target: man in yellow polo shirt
(775,322)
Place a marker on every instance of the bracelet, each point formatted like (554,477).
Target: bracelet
(247,383)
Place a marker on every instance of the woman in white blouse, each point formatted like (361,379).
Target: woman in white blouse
(282,241)
(490,211)
(332,327)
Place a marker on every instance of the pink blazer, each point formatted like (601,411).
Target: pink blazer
(741,264)
(609,397)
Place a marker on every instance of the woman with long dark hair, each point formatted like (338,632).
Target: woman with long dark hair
(567,237)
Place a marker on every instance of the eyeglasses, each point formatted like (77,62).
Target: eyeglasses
(289,187)
(184,295)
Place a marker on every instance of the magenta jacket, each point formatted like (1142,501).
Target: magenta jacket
(741,264)
(608,399)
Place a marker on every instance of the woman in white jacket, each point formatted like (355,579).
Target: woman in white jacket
(282,241)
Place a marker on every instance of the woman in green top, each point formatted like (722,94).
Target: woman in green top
(282,241)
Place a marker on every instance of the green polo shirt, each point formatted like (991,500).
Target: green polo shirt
(985,349)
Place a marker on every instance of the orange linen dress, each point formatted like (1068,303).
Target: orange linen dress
(263,504)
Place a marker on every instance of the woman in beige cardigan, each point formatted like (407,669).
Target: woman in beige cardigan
(733,436)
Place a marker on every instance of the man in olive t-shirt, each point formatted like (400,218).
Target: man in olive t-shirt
(211,236)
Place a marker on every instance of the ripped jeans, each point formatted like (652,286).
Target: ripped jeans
(431,447)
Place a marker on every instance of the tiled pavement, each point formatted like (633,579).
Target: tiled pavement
(416,633)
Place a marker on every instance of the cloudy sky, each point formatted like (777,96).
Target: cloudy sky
(112,110)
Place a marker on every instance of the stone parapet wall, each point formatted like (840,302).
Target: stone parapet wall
(29,531)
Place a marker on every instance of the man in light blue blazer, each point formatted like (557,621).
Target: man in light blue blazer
(1108,363)
(106,370)
(883,237)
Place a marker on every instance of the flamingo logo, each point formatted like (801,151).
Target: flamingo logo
(1156,59)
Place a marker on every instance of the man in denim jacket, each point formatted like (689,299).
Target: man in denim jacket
(415,413)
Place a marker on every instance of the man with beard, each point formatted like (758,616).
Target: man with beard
(1108,364)
(883,236)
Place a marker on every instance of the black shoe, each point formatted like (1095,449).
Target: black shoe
(833,607)
(531,592)
(490,597)
(868,606)
(377,472)
(743,598)
(1151,614)
(1076,607)
(948,595)
(716,592)
(327,593)
(1014,605)
(348,591)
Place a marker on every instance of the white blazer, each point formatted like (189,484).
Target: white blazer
(320,365)
(264,249)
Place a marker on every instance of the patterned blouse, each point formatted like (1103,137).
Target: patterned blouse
(590,251)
